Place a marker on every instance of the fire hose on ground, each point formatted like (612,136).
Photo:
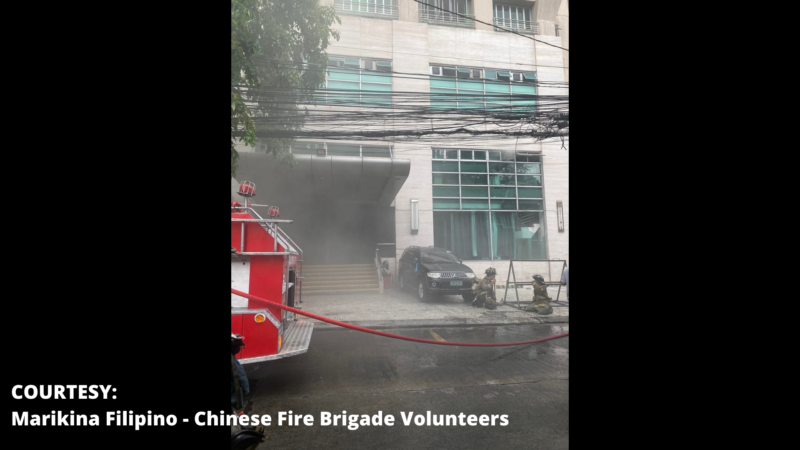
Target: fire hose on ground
(395,336)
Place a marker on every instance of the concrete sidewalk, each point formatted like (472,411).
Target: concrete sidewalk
(395,309)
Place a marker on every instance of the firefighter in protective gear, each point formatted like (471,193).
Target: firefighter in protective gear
(485,291)
(541,301)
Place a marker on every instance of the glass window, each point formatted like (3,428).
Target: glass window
(371,88)
(474,204)
(501,167)
(528,168)
(501,180)
(376,151)
(344,150)
(500,214)
(438,154)
(307,148)
(444,191)
(445,178)
(517,235)
(473,179)
(463,88)
(465,234)
(445,166)
(528,158)
(446,203)
(504,192)
(473,167)
(504,204)
(529,192)
(531,204)
(507,156)
(529,180)
(474,192)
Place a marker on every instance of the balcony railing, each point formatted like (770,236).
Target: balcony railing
(362,8)
(446,18)
(521,26)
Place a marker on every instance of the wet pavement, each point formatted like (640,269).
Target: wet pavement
(398,309)
(363,373)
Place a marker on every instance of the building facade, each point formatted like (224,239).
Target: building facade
(487,199)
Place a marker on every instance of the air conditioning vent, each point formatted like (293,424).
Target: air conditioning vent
(435,70)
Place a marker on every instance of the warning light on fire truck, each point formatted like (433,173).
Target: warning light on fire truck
(247,189)
(274,211)
(260,318)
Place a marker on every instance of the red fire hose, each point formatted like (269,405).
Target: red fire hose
(395,336)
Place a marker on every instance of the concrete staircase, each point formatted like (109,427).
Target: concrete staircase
(340,279)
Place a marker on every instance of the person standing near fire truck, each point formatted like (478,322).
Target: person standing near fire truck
(485,291)
(240,385)
(541,301)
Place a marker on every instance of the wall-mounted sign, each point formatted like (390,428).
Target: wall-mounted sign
(560,211)
(414,216)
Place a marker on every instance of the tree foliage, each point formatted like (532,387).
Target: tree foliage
(271,40)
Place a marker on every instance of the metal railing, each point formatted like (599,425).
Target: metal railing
(283,238)
(522,26)
(363,8)
(378,268)
(512,274)
(446,18)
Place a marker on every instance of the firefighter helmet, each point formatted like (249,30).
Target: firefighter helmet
(538,278)
(491,271)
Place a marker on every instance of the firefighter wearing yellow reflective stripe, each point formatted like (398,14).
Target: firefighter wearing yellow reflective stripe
(485,291)
(541,301)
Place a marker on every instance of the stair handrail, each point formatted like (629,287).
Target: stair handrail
(378,267)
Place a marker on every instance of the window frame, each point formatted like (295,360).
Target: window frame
(508,22)
(325,147)
(524,155)
(323,99)
(452,97)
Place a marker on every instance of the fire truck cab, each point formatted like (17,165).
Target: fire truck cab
(266,263)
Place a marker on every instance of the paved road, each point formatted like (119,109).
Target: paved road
(363,374)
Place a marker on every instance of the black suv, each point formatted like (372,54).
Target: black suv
(433,270)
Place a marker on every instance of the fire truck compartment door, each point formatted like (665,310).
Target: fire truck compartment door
(240,280)
(296,340)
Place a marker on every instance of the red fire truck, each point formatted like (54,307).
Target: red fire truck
(265,262)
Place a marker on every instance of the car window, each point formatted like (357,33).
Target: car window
(434,257)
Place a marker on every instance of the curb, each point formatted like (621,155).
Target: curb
(389,324)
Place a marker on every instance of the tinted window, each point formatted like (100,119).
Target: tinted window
(433,257)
